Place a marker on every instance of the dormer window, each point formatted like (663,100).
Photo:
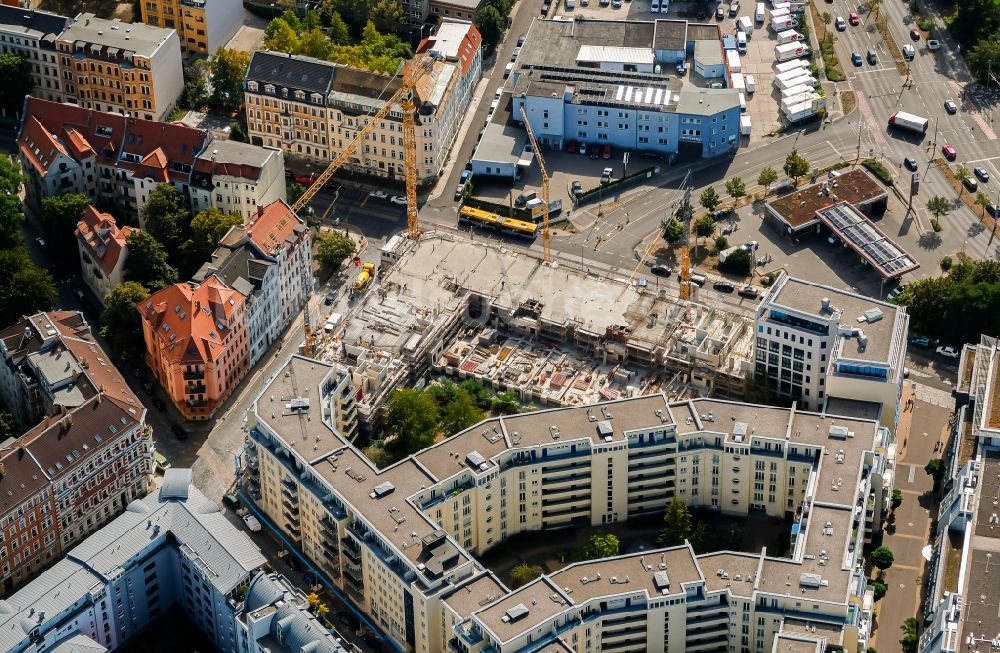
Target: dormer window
(284,92)
(317,98)
(252,86)
(269,88)
(300,95)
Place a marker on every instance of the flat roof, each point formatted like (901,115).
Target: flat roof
(475,594)
(799,208)
(542,600)
(584,581)
(734,571)
(707,101)
(981,606)
(670,35)
(784,643)
(617,54)
(501,143)
(139,38)
(847,307)
(708,53)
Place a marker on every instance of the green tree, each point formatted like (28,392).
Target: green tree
(15,71)
(677,524)
(962,175)
(827,18)
(337,30)
(523,574)
(353,12)
(315,43)
(8,428)
(736,188)
(897,498)
(378,455)
(879,589)
(673,230)
(704,226)
(388,16)
(460,413)
(147,262)
(710,199)
(600,545)
(935,469)
(195,86)
(120,322)
(767,177)
(238,131)
(11,216)
(229,67)
(490,24)
(60,214)
(411,422)
(721,243)
(332,247)
(796,166)
(984,58)
(938,206)
(25,288)
(207,229)
(281,37)
(165,216)
(882,557)
(739,262)
(983,201)
(684,212)
(910,639)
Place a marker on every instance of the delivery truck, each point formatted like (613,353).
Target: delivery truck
(739,83)
(745,125)
(783,23)
(789,51)
(733,59)
(789,36)
(781,79)
(759,14)
(800,110)
(795,64)
(802,92)
(801,80)
(909,121)
(744,24)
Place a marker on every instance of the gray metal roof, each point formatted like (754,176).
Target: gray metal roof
(225,555)
(297,632)
(30,22)
(263,590)
(296,72)
(76,644)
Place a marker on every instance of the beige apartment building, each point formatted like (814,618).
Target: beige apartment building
(202,26)
(400,542)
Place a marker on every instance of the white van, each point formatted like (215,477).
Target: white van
(743,102)
(759,15)
(654,6)
(741,42)
(745,25)
(570,4)
(508,69)
(751,83)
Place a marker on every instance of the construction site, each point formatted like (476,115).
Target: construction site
(557,336)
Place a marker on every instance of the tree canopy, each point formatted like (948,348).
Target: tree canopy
(15,71)
(460,413)
(710,198)
(60,215)
(796,165)
(411,421)
(767,177)
(207,229)
(490,24)
(228,67)
(882,557)
(677,524)
(11,216)
(147,262)
(958,307)
(332,248)
(375,51)
(673,230)
(523,574)
(166,216)
(120,323)
(739,262)
(736,188)
(600,545)
(25,288)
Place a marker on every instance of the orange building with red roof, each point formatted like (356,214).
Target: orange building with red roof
(196,343)
(102,250)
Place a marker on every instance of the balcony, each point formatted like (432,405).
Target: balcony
(551,514)
(553,492)
(195,389)
(583,499)
(194,376)
(548,483)
(351,550)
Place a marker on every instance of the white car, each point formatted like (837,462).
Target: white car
(251,523)
(947,352)
(840,24)
(398,199)
(378,194)
(934,44)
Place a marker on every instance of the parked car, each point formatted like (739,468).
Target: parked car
(724,286)
(922,342)
(459,191)
(910,163)
(908,52)
(466,176)
(330,297)
(513,55)
(982,173)
(720,12)
(650,154)
(398,199)
(40,241)
(992,211)
(576,188)
(252,523)
(749,292)
(660,270)
(520,40)
(947,352)
(856,58)
(853,18)
(305,180)
(915,34)
(949,151)
(894,293)
(162,464)
(722,214)
(606,176)
(378,195)
(950,107)
(971,184)
(933,44)
(583,148)
(617,4)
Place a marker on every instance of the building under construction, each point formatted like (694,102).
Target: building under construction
(555,335)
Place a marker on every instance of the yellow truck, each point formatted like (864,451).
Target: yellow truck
(364,277)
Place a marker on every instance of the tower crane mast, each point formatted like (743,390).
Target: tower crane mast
(546,251)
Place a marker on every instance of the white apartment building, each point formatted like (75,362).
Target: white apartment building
(312,108)
(103,251)
(278,236)
(237,178)
(170,548)
(32,34)
(818,345)
(399,542)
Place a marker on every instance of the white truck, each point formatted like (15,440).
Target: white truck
(739,83)
(909,121)
(744,24)
(789,51)
(802,91)
(797,109)
(781,79)
(801,80)
(733,60)
(745,125)
(782,23)
(751,84)
(795,64)
(779,14)
(759,14)
(789,36)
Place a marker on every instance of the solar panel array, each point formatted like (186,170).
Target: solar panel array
(881,252)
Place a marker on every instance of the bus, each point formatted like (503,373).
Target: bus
(510,226)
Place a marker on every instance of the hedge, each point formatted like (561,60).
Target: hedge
(879,170)
(614,184)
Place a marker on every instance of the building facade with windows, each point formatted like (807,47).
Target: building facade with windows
(399,542)
(32,34)
(86,452)
(103,251)
(127,68)
(202,26)
(817,345)
(312,109)
(237,178)
(171,549)
(197,344)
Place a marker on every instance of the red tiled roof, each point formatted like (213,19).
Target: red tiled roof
(78,144)
(186,319)
(39,145)
(104,241)
(274,224)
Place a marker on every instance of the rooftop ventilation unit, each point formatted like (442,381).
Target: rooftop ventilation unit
(604,430)
(299,403)
(661,581)
(476,461)
(813,581)
(382,490)
(514,614)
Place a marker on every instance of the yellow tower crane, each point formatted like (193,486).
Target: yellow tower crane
(404,97)
(546,253)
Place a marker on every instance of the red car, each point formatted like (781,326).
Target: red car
(571,147)
(949,152)
(853,19)
(305,180)
(915,34)
(606,152)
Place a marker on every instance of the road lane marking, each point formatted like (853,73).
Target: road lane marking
(873,130)
(972,110)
